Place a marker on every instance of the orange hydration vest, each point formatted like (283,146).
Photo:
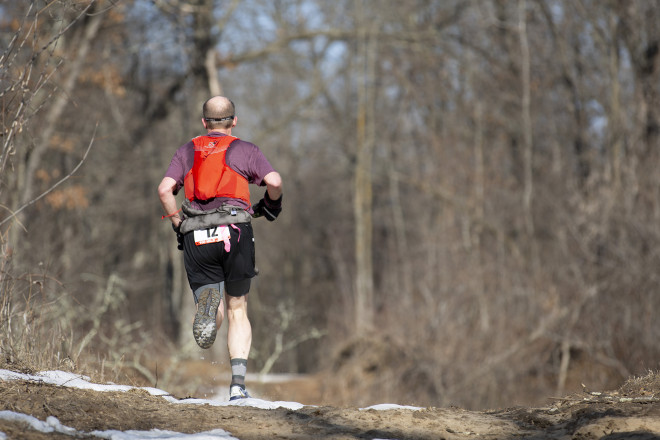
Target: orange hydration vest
(210,175)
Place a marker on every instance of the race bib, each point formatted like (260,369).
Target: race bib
(212,235)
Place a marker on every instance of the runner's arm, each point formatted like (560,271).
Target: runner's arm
(167,199)
(273,182)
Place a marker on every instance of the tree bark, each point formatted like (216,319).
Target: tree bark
(363,197)
(528,158)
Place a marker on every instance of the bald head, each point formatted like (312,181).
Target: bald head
(218,113)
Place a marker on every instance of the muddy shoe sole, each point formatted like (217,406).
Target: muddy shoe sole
(204,329)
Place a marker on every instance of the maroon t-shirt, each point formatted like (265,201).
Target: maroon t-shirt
(243,157)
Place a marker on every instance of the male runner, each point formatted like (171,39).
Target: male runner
(214,230)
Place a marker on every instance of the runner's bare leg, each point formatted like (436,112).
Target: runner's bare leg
(239,338)
(221,313)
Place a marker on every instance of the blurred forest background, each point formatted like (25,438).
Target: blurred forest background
(471,190)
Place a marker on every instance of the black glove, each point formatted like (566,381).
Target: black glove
(179,236)
(268,208)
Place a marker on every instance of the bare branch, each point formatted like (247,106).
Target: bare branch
(58,183)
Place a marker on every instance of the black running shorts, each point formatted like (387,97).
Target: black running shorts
(210,263)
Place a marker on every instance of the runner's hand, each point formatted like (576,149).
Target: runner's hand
(268,208)
(179,236)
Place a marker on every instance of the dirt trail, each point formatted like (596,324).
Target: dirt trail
(632,412)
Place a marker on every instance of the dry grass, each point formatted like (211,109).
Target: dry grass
(645,385)
(43,327)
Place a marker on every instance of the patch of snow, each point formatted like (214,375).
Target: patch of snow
(253,402)
(386,406)
(272,378)
(265,404)
(52,424)
(65,379)
(216,434)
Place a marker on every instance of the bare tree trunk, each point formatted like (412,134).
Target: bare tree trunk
(212,73)
(616,131)
(182,304)
(403,278)
(363,197)
(479,185)
(528,182)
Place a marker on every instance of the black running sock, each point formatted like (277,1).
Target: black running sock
(238,370)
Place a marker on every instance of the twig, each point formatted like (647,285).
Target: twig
(62,180)
(609,399)
(19,222)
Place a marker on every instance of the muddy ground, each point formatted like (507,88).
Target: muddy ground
(632,412)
